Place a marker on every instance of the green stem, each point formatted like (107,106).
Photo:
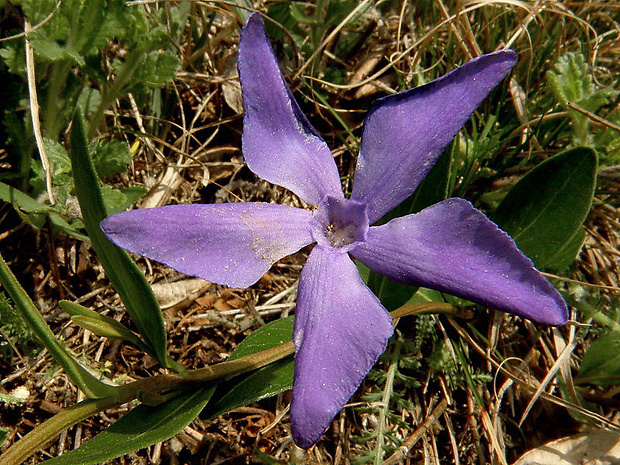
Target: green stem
(115,89)
(155,385)
(160,385)
(57,82)
(592,312)
(424,308)
(81,377)
(385,401)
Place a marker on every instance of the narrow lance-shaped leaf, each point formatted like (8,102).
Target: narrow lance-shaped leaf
(142,427)
(83,379)
(123,273)
(100,324)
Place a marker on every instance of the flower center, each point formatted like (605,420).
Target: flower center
(340,223)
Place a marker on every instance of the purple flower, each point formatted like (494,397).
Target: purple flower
(341,327)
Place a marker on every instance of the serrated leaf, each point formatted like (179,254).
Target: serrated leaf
(32,211)
(132,195)
(157,68)
(110,158)
(265,382)
(570,80)
(601,362)
(141,427)
(51,51)
(116,200)
(546,208)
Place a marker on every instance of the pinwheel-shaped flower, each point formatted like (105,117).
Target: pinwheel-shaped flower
(341,327)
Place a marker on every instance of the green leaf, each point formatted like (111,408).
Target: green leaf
(545,209)
(260,384)
(124,275)
(21,201)
(53,51)
(601,362)
(100,324)
(4,434)
(25,204)
(265,382)
(143,426)
(269,336)
(156,69)
(117,201)
(567,254)
(433,189)
(110,158)
(81,376)
(571,81)
(301,16)
(103,328)
(11,400)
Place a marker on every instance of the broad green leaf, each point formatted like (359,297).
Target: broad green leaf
(124,275)
(143,426)
(271,335)
(265,382)
(566,255)
(102,328)
(433,189)
(546,208)
(601,362)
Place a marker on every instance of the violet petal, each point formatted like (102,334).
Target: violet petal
(341,328)
(279,143)
(405,133)
(232,244)
(454,248)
